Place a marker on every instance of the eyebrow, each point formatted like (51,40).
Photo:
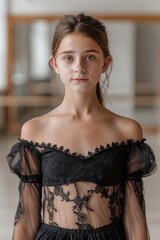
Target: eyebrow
(87,51)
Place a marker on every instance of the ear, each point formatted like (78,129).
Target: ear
(107,61)
(52,63)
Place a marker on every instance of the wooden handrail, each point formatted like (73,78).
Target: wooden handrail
(114,17)
(49,100)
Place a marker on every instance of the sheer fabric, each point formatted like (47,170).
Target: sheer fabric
(81,192)
(24,161)
(134,214)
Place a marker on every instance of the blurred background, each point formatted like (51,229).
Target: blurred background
(28,87)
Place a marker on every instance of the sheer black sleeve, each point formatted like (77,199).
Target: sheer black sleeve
(141,163)
(24,161)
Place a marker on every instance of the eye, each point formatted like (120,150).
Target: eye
(68,58)
(90,57)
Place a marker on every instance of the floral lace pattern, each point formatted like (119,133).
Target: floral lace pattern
(138,189)
(81,203)
(20,207)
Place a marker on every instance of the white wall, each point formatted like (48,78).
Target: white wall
(148,58)
(64,6)
(121,81)
(39,46)
(3,50)
(3,43)
(122,46)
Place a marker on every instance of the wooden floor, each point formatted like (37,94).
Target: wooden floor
(9,192)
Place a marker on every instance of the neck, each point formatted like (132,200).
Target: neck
(81,104)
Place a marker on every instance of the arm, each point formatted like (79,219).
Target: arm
(134,211)
(140,163)
(27,220)
(24,161)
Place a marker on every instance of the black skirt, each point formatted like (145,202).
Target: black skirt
(112,231)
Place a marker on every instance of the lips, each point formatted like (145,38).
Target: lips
(80,79)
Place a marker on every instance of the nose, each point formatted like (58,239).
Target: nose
(79,67)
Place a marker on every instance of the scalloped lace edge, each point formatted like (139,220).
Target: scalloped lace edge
(90,153)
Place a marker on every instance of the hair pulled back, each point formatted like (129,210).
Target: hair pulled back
(84,24)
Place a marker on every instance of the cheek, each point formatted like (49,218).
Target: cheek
(96,67)
(96,71)
(64,73)
(61,68)
(65,68)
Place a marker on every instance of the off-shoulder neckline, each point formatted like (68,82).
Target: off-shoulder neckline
(67,151)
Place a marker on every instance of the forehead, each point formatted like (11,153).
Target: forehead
(78,42)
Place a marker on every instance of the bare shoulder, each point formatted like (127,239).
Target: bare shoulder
(130,128)
(33,128)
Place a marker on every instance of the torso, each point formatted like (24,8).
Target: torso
(74,185)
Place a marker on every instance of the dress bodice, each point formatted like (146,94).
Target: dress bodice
(59,167)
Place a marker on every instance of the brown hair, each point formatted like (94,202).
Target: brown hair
(87,25)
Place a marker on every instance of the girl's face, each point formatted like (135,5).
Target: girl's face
(79,62)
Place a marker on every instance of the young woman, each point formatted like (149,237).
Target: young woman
(83,160)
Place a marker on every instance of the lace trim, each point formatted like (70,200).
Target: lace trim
(31,178)
(81,156)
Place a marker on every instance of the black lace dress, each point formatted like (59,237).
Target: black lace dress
(66,196)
